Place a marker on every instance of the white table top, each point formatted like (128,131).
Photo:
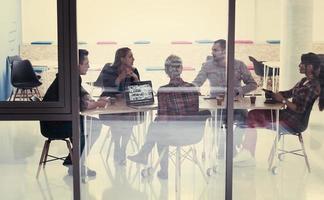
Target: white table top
(204,104)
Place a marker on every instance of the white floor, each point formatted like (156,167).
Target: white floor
(21,145)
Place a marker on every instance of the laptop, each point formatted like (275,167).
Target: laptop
(139,94)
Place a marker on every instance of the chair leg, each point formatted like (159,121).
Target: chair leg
(16,92)
(69,146)
(271,155)
(177,171)
(196,161)
(11,95)
(41,158)
(300,137)
(48,143)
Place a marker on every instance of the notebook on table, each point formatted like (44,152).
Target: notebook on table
(139,94)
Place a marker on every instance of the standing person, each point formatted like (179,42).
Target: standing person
(214,70)
(63,129)
(302,95)
(116,77)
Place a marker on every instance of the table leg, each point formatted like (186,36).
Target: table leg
(85,154)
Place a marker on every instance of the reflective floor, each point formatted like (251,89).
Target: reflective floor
(21,145)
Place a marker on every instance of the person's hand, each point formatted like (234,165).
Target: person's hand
(101,103)
(122,75)
(278,97)
(130,73)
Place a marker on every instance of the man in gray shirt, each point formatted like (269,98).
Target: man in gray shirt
(214,69)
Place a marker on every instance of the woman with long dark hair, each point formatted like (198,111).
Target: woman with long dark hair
(297,101)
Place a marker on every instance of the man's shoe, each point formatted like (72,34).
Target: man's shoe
(162,175)
(90,172)
(67,161)
(138,158)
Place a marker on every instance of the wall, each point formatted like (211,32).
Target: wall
(162,20)
(10,39)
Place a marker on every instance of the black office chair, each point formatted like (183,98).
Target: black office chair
(24,79)
(45,152)
(296,132)
(260,69)
(45,132)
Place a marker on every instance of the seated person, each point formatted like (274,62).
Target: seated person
(214,70)
(302,96)
(116,77)
(177,100)
(63,129)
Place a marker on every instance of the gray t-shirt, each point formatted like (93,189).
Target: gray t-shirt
(216,75)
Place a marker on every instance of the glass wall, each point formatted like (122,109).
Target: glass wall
(272,52)
(21,149)
(127,139)
(29,33)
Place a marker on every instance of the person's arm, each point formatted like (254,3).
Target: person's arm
(91,104)
(299,103)
(248,80)
(133,73)
(201,76)
(120,77)
(280,98)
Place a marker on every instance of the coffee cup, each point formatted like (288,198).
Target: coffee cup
(112,100)
(252,99)
(219,101)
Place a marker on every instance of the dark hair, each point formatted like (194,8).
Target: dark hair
(314,60)
(221,42)
(120,53)
(82,54)
(311,58)
(321,80)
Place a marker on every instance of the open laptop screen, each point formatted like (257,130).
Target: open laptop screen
(139,93)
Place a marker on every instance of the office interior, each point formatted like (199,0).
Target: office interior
(276,32)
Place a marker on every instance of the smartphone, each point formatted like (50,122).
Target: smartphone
(267,91)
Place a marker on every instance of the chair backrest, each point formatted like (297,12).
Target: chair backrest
(22,72)
(301,127)
(12,59)
(100,78)
(259,67)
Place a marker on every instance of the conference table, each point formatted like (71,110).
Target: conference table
(120,107)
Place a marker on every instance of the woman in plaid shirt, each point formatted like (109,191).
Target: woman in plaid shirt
(297,101)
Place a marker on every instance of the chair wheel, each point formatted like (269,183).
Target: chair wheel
(281,157)
(274,170)
(209,172)
(215,169)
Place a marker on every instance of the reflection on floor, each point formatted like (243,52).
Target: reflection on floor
(21,145)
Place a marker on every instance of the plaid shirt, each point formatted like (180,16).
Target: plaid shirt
(303,95)
(177,100)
